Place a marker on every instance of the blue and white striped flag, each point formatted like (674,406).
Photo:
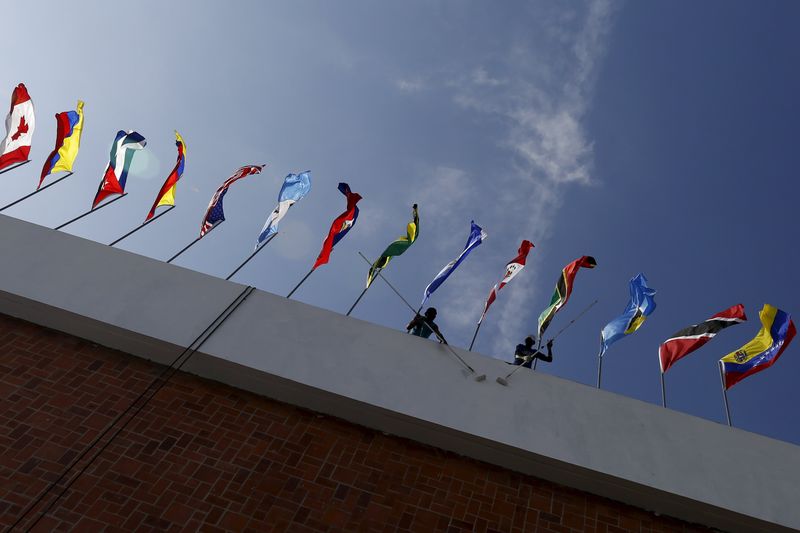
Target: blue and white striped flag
(295,188)
(476,236)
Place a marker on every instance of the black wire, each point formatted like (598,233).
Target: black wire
(207,332)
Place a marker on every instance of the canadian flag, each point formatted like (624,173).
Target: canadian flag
(20,124)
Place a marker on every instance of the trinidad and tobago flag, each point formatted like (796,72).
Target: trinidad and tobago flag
(690,338)
(340,226)
(20,124)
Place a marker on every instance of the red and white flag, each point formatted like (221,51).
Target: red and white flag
(512,269)
(19,128)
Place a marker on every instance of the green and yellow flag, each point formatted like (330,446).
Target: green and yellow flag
(400,245)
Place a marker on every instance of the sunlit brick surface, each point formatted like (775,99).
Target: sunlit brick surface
(205,456)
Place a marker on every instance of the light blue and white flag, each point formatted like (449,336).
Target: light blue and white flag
(640,306)
(295,188)
(476,236)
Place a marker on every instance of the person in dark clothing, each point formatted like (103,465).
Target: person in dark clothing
(424,326)
(526,353)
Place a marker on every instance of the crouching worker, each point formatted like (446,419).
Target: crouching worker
(526,353)
(424,326)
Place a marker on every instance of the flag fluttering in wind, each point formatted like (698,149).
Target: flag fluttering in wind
(166,196)
(20,124)
(563,290)
(398,247)
(690,338)
(295,187)
(215,213)
(116,174)
(777,331)
(69,127)
(476,237)
(640,306)
(341,225)
(513,268)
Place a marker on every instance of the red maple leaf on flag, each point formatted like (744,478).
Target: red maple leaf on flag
(21,129)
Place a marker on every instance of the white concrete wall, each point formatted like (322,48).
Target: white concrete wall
(593,440)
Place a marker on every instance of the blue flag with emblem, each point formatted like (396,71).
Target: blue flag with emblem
(476,237)
(640,306)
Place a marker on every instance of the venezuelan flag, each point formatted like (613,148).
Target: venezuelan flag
(69,127)
(777,331)
(166,196)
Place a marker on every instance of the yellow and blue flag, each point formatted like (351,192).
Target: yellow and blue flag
(69,126)
(640,306)
(777,331)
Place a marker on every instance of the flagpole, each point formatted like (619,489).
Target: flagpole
(143,224)
(452,351)
(90,211)
(194,241)
(475,335)
(301,282)
(37,191)
(356,302)
(15,166)
(599,367)
(725,394)
(663,392)
(252,255)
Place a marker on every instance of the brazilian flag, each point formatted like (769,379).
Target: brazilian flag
(400,245)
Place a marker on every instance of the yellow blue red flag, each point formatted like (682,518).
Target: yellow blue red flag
(777,331)
(166,196)
(69,127)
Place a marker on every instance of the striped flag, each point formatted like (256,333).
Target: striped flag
(295,187)
(116,174)
(513,268)
(215,214)
(20,124)
(476,237)
(340,226)
(166,196)
(398,247)
(690,338)
(777,331)
(69,127)
(563,290)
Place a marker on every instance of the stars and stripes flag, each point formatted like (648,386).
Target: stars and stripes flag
(513,268)
(116,175)
(295,187)
(777,331)
(215,213)
(20,124)
(397,247)
(476,237)
(166,196)
(690,338)
(563,290)
(340,226)
(69,127)
(640,306)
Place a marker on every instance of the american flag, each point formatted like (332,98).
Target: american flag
(215,213)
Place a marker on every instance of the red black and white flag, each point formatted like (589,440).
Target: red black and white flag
(512,269)
(693,337)
(20,124)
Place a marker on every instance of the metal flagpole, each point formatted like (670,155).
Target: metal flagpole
(475,335)
(261,247)
(725,394)
(15,166)
(90,211)
(452,351)
(194,241)
(143,224)
(301,282)
(599,367)
(37,191)
(356,302)
(663,392)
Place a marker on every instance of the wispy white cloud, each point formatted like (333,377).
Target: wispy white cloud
(410,85)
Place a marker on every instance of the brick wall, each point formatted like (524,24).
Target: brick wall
(203,455)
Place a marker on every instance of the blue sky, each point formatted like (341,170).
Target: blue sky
(657,137)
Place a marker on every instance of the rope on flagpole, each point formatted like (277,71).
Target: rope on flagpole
(37,191)
(162,379)
(90,211)
(143,224)
(212,228)
(252,255)
(15,166)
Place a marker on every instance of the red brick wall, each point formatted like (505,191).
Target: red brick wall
(207,456)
